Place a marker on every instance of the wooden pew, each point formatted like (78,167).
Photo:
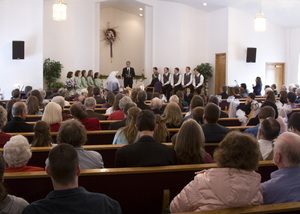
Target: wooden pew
(137,189)
(229,122)
(107,136)
(33,118)
(292,207)
(103,123)
(108,152)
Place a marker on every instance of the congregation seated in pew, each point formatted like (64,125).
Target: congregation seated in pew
(146,151)
(9,203)
(119,114)
(284,185)
(213,132)
(224,187)
(189,148)
(172,115)
(53,116)
(42,136)
(78,112)
(267,132)
(128,134)
(90,105)
(3,119)
(67,196)
(87,159)
(17,123)
(16,154)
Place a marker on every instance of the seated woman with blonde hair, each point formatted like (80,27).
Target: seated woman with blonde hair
(17,153)
(53,116)
(42,135)
(129,133)
(173,115)
(189,148)
(233,184)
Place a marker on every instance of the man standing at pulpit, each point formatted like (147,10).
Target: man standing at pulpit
(128,74)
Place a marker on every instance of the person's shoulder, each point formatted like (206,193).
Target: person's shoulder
(106,203)
(33,207)
(18,203)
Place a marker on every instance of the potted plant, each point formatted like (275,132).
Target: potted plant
(206,70)
(52,71)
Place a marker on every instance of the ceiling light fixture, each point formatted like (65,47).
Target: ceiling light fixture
(204,4)
(141,8)
(141,14)
(260,21)
(59,11)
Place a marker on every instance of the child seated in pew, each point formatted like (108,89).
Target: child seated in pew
(267,132)
(42,137)
(9,203)
(233,184)
(17,153)
(189,148)
(161,134)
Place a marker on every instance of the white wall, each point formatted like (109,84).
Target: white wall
(19,22)
(129,45)
(294,56)
(72,42)
(271,47)
(180,36)
(218,40)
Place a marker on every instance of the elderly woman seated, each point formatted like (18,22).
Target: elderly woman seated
(233,184)
(17,153)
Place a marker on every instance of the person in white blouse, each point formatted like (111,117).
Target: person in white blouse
(187,80)
(198,81)
(176,81)
(166,82)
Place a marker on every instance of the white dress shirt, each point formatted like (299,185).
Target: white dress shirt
(201,80)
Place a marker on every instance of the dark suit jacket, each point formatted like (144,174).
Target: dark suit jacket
(92,114)
(17,124)
(224,95)
(157,111)
(99,100)
(117,125)
(214,132)
(143,106)
(223,115)
(145,152)
(124,73)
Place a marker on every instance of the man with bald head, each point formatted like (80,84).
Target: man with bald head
(284,185)
(17,124)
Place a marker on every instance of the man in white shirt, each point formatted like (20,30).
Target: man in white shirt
(187,80)
(198,81)
(166,82)
(176,81)
(267,132)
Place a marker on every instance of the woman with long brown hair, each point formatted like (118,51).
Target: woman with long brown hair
(128,134)
(33,106)
(161,134)
(90,79)
(42,135)
(189,147)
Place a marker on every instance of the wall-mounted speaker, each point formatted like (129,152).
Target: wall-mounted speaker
(18,49)
(251,55)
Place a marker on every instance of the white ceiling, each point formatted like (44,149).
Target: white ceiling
(285,13)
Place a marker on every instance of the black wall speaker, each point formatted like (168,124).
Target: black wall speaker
(251,55)
(18,49)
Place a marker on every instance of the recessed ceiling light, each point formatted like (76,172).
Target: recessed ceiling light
(141,14)
(141,8)
(204,4)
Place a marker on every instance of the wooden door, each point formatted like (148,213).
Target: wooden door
(220,71)
(275,74)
